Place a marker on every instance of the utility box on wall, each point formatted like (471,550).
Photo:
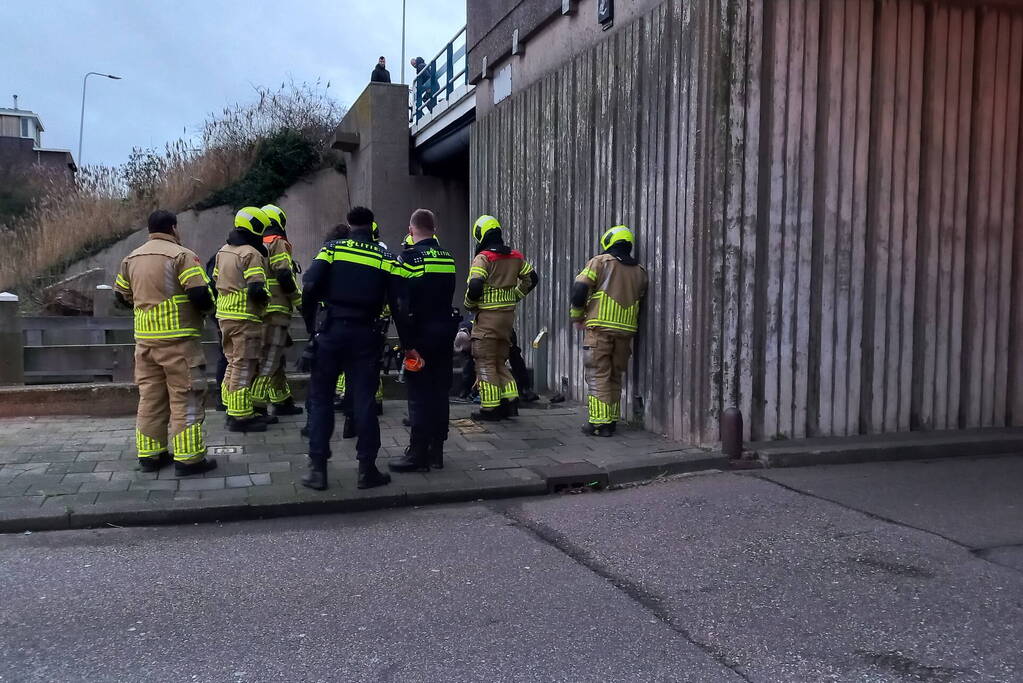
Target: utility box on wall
(502,84)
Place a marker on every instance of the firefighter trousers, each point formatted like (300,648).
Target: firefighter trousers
(243,346)
(271,383)
(605,358)
(491,344)
(171,377)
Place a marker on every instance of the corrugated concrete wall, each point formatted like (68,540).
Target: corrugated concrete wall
(827,194)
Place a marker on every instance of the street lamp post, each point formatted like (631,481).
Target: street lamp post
(403,42)
(81,121)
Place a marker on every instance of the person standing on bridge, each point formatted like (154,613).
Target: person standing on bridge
(166,285)
(242,297)
(606,297)
(271,383)
(499,278)
(429,272)
(380,73)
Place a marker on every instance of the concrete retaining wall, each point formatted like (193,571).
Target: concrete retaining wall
(314,205)
(827,195)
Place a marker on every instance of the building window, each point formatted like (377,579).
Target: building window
(25,133)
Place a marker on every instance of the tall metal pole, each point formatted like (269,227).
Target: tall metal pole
(403,42)
(81,120)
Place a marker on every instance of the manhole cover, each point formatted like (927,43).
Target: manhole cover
(225,450)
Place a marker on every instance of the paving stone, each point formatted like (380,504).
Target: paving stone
(27,503)
(160,496)
(92,456)
(154,485)
(238,495)
(113,497)
(261,479)
(238,481)
(99,486)
(71,501)
(201,484)
(122,465)
(258,467)
(249,457)
(82,477)
(8,490)
(54,456)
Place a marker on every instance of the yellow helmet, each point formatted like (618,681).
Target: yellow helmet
(619,233)
(252,219)
(483,225)
(276,215)
(374,232)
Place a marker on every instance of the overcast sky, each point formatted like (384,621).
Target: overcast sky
(181,59)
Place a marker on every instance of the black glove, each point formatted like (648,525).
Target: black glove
(305,361)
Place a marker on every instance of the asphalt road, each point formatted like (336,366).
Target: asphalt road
(857,573)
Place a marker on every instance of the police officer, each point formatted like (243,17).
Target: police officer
(353,278)
(348,431)
(166,285)
(499,278)
(606,297)
(271,383)
(432,324)
(242,297)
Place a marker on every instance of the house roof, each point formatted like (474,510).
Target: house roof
(6,111)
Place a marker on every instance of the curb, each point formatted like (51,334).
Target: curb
(890,449)
(542,481)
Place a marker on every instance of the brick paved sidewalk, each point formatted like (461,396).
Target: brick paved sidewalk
(79,472)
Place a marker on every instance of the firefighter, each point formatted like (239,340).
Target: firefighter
(499,278)
(166,285)
(271,383)
(432,324)
(353,279)
(606,297)
(242,296)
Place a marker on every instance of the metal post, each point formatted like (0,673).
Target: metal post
(12,347)
(450,59)
(403,42)
(731,433)
(81,119)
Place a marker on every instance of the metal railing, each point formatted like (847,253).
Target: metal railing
(437,79)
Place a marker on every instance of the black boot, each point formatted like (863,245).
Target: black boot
(339,404)
(304,432)
(263,413)
(489,414)
(221,406)
(414,460)
(287,407)
(348,432)
(435,454)
(510,406)
(370,476)
(248,424)
(183,469)
(604,431)
(380,407)
(589,429)
(316,477)
(155,463)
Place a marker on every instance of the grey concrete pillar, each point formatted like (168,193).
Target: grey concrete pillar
(103,301)
(12,351)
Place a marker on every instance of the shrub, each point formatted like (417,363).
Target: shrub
(246,154)
(279,161)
